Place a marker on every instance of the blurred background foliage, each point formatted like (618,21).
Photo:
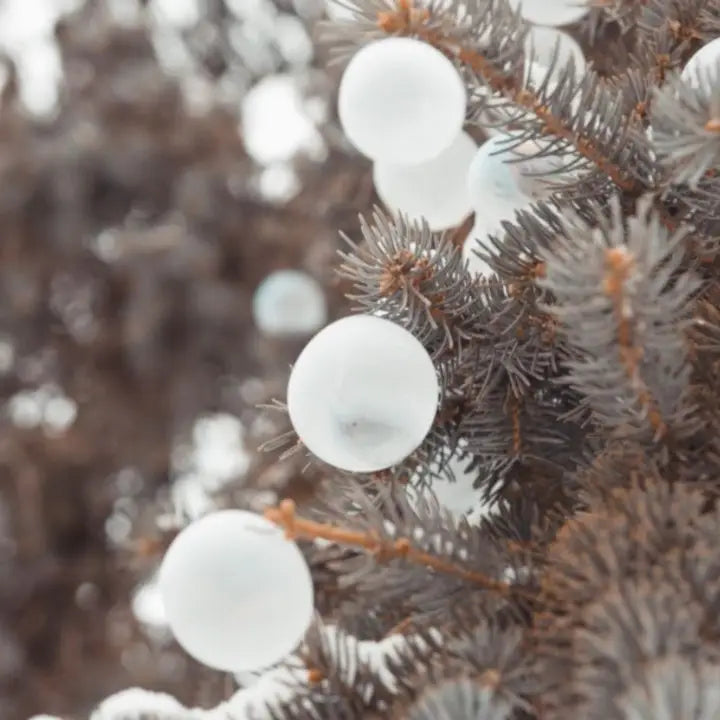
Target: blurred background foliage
(157,160)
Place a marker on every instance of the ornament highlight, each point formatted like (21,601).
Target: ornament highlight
(289,302)
(363,394)
(401,101)
(435,190)
(237,594)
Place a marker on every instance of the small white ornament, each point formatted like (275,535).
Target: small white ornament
(435,190)
(289,302)
(237,594)
(493,179)
(401,101)
(551,12)
(703,68)
(459,497)
(362,394)
(540,45)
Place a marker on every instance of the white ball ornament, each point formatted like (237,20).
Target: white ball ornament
(435,190)
(703,68)
(551,12)
(401,101)
(540,47)
(289,302)
(458,496)
(493,180)
(237,594)
(362,394)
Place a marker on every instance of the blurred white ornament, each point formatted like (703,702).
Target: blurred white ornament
(435,190)
(459,497)
(551,12)
(237,594)
(182,14)
(363,394)
(703,68)
(274,124)
(139,704)
(493,178)
(289,302)
(540,48)
(401,101)
(340,9)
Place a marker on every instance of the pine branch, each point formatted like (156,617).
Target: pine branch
(686,129)
(624,303)
(462,699)
(416,278)
(487,38)
(400,548)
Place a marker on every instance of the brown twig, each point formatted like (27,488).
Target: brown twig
(297,527)
(619,263)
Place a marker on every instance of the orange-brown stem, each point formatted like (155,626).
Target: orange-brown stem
(619,265)
(297,527)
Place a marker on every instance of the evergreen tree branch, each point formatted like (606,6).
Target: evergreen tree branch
(591,131)
(624,305)
(297,527)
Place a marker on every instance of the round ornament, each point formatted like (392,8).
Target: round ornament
(493,178)
(289,302)
(703,68)
(458,495)
(401,101)
(362,394)
(551,12)
(435,190)
(540,48)
(237,594)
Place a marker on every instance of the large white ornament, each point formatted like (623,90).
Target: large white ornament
(289,302)
(551,12)
(362,394)
(401,101)
(237,594)
(703,68)
(435,190)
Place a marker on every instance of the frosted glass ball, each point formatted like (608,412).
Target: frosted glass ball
(362,394)
(551,12)
(237,594)
(435,190)
(459,496)
(401,101)
(703,68)
(289,302)
(540,44)
(492,181)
